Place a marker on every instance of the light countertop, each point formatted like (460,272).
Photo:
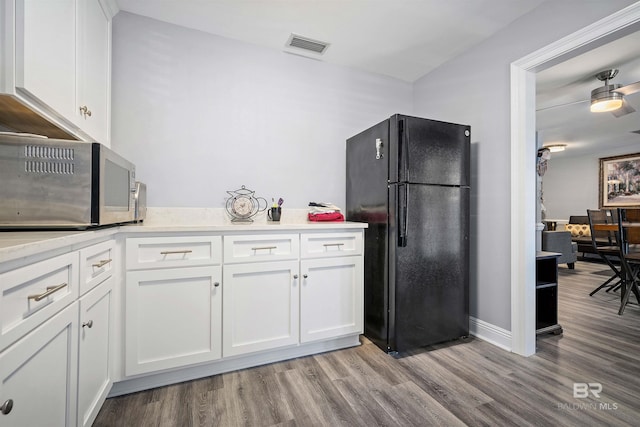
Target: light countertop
(18,244)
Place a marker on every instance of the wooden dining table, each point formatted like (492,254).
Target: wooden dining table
(614,227)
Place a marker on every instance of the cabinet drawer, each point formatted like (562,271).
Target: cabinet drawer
(32,294)
(96,264)
(250,248)
(161,252)
(319,245)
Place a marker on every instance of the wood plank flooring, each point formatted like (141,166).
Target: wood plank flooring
(455,384)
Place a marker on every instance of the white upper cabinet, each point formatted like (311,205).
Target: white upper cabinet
(94,69)
(55,64)
(45,53)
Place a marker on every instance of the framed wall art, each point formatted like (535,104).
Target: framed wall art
(620,181)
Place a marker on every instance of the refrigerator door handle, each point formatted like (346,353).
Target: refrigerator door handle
(379,145)
(403,154)
(403,213)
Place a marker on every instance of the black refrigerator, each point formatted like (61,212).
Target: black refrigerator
(408,178)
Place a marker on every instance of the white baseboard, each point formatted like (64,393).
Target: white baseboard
(491,333)
(148,381)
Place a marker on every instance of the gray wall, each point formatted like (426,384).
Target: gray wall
(474,88)
(201,114)
(571,186)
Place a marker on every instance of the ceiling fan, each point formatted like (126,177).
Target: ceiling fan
(609,97)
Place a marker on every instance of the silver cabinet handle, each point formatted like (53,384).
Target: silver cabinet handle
(6,407)
(85,111)
(49,291)
(185,251)
(102,263)
(333,244)
(264,248)
(295,276)
(305,275)
(88,324)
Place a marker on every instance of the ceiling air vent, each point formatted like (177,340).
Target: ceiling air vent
(307,44)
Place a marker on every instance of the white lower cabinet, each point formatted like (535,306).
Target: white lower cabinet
(94,361)
(331,298)
(172,317)
(55,349)
(260,306)
(38,374)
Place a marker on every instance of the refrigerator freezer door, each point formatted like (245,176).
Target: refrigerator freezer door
(367,171)
(367,201)
(428,151)
(428,277)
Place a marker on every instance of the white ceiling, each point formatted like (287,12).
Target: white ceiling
(570,82)
(400,38)
(406,39)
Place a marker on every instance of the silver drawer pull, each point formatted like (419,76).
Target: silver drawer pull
(333,244)
(264,248)
(88,324)
(49,291)
(102,263)
(186,251)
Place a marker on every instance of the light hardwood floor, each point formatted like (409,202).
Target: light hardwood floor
(472,383)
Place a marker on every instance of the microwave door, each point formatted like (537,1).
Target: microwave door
(115,188)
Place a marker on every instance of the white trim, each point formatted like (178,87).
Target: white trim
(523,126)
(490,333)
(523,211)
(110,7)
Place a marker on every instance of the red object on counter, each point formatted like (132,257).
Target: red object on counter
(329,216)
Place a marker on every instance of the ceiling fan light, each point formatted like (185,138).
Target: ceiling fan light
(604,105)
(603,99)
(556,148)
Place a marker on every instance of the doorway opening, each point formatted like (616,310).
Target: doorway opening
(523,156)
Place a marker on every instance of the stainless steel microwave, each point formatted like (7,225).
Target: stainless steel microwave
(56,184)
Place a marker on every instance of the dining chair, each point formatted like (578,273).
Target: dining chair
(629,239)
(605,244)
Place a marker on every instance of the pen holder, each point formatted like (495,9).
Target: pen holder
(274,213)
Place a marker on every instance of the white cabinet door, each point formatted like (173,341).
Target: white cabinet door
(39,374)
(94,70)
(260,306)
(331,298)
(94,361)
(45,53)
(172,317)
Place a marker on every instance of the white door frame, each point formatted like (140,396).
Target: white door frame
(523,157)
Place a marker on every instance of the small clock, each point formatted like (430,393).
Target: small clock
(242,204)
